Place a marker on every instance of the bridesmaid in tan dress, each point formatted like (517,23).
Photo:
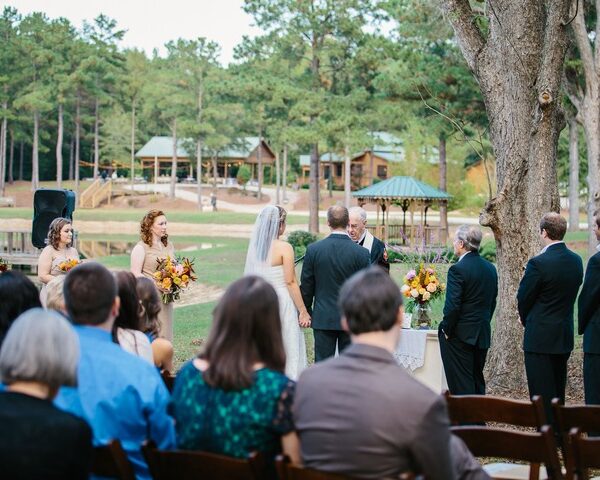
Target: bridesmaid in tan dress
(154,245)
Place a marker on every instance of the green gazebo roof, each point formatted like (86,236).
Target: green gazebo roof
(400,188)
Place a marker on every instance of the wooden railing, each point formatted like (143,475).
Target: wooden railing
(16,248)
(96,193)
(414,235)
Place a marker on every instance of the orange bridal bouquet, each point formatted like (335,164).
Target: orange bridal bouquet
(172,276)
(68,265)
(422,285)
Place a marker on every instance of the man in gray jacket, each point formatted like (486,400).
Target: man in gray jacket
(363,415)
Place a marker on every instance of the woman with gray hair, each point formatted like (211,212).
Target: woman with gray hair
(37,440)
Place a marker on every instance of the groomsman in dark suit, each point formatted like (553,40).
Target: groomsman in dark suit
(357,229)
(465,331)
(589,322)
(327,265)
(545,299)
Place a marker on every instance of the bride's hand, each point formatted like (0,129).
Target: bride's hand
(304,319)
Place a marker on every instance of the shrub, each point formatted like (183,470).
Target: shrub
(488,250)
(300,239)
(243,175)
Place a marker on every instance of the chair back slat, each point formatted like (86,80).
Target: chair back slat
(586,453)
(184,465)
(533,447)
(110,460)
(473,409)
(288,471)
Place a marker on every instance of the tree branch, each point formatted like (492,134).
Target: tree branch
(571,92)
(585,50)
(461,17)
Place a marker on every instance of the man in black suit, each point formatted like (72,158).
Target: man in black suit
(589,322)
(327,265)
(465,331)
(357,229)
(545,299)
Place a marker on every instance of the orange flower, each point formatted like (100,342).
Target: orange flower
(166,283)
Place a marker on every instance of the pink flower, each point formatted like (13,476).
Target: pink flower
(179,270)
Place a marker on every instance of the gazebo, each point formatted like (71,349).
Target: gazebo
(410,195)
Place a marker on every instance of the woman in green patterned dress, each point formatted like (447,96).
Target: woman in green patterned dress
(234,398)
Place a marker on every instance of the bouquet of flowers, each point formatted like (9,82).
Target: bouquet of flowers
(172,276)
(68,265)
(4,265)
(421,285)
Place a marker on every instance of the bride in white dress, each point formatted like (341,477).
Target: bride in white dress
(273,259)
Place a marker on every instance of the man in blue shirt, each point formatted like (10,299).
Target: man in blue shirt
(120,395)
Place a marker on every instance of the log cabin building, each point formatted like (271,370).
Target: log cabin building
(156,158)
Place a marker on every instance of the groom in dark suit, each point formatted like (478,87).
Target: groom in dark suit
(589,322)
(465,330)
(545,299)
(327,265)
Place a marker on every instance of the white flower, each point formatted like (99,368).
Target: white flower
(432,287)
(404,289)
(426,296)
(414,293)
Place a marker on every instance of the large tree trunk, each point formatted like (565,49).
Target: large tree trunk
(347,176)
(215,172)
(3,130)
(587,102)
(313,190)
(277,178)
(518,65)
(132,166)
(573,175)
(96,138)
(77,139)
(59,145)
(11,160)
(285,173)
(199,172)
(442,185)
(71,157)
(173,160)
(260,167)
(21,158)
(35,164)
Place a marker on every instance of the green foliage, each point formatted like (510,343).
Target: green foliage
(488,250)
(243,175)
(300,239)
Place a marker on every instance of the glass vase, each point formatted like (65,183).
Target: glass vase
(422,317)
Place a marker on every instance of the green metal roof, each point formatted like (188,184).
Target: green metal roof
(402,187)
(163,147)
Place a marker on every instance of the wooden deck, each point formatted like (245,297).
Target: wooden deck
(16,248)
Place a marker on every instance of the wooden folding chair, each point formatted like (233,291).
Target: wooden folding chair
(584,417)
(286,470)
(111,461)
(532,447)
(586,454)
(169,379)
(192,465)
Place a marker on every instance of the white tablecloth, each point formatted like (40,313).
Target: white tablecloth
(411,349)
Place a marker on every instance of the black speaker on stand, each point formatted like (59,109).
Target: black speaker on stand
(49,204)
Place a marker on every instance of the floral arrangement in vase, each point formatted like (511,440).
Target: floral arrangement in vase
(4,265)
(68,265)
(172,276)
(421,286)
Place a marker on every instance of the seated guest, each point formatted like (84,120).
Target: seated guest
(55,300)
(363,415)
(162,349)
(127,328)
(234,398)
(120,395)
(37,440)
(17,295)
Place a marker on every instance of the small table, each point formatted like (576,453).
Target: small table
(418,353)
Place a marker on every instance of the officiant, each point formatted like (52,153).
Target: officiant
(357,229)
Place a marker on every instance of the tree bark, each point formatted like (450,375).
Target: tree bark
(284,184)
(347,176)
(96,138)
(518,66)
(260,167)
(277,178)
(3,130)
(132,174)
(77,139)
(573,175)
(21,158)
(199,172)
(442,183)
(71,157)
(173,160)
(59,146)
(11,160)
(313,190)
(35,164)
(214,169)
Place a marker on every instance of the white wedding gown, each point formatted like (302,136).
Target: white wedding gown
(293,336)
